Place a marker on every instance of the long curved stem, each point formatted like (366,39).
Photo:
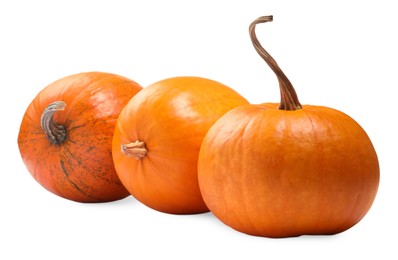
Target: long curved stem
(56,134)
(289,99)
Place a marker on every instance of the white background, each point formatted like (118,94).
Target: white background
(341,54)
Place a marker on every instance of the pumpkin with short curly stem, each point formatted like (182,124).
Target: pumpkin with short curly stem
(280,170)
(65,137)
(157,139)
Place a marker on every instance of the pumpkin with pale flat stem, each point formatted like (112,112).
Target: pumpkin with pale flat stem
(157,139)
(65,137)
(280,170)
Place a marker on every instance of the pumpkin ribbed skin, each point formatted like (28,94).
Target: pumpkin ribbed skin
(80,168)
(275,173)
(170,117)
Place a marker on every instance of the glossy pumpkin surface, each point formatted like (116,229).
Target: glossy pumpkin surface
(281,170)
(275,173)
(66,134)
(158,136)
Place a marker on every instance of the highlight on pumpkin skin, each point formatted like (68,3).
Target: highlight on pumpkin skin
(136,149)
(56,134)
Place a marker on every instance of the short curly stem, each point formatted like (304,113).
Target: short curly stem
(136,149)
(289,99)
(56,134)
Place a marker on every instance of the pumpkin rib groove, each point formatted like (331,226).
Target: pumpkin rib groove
(67,174)
(71,155)
(317,222)
(90,171)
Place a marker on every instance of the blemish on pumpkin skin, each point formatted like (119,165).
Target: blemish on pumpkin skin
(90,148)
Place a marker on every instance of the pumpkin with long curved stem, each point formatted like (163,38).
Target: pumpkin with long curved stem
(280,170)
(65,137)
(158,136)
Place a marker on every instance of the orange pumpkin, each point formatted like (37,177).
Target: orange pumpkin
(65,137)
(158,136)
(287,170)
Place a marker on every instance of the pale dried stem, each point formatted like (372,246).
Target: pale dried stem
(55,133)
(136,150)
